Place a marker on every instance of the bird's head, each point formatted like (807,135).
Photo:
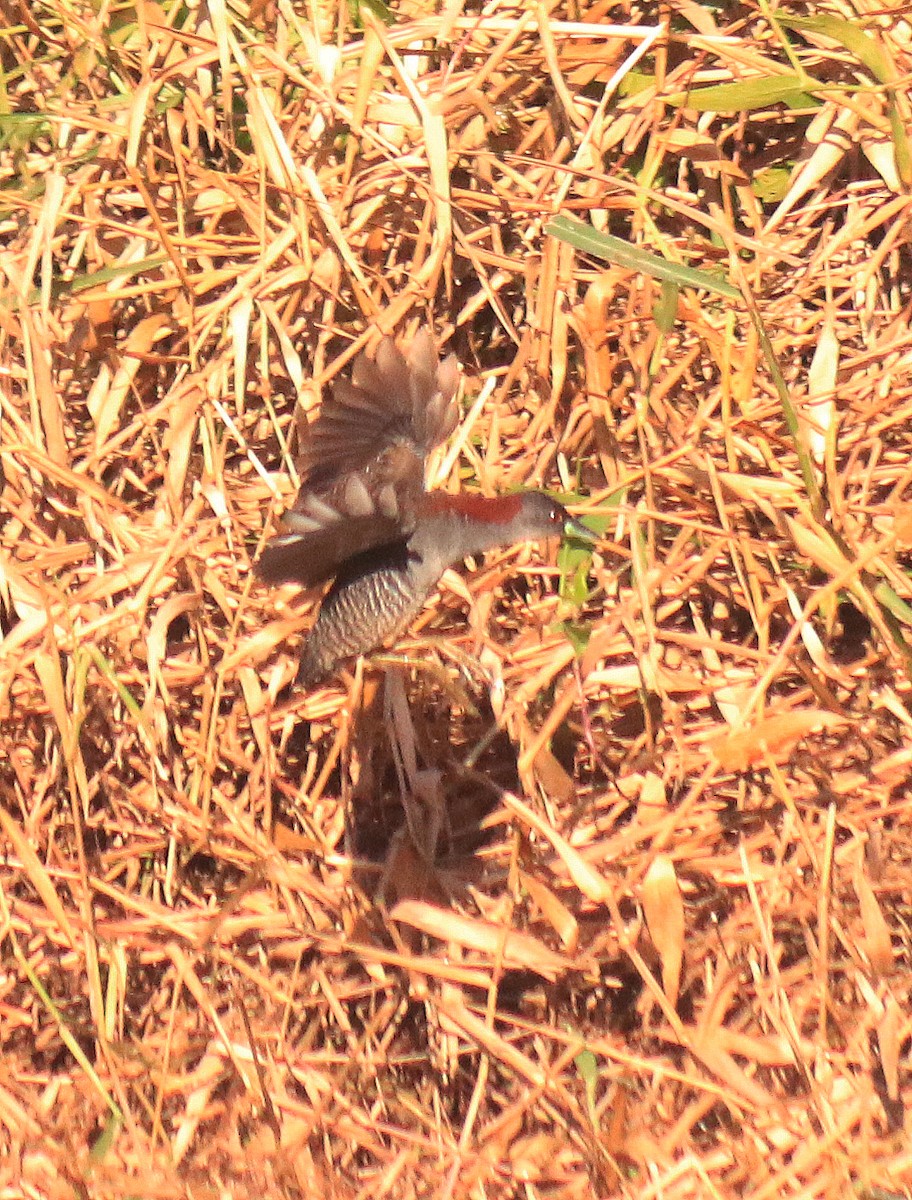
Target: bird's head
(539,515)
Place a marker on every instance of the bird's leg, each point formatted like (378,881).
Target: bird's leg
(588,732)
(422,796)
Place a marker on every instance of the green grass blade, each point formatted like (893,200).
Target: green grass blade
(611,249)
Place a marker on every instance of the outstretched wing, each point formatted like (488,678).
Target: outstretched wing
(362,469)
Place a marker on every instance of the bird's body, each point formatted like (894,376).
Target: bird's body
(372,601)
(363,517)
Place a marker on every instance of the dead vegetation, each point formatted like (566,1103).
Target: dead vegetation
(664,947)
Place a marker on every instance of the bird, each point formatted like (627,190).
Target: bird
(364,519)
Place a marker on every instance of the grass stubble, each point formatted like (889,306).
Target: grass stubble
(663,948)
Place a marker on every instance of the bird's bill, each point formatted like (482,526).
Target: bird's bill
(576,529)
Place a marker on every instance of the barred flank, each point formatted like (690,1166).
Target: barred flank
(356,617)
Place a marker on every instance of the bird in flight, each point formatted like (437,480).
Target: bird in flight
(364,519)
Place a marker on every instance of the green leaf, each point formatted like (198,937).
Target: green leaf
(587,1065)
(20,129)
(771,185)
(576,634)
(612,249)
(573,561)
(901,148)
(793,90)
(128,699)
(789,412)
(597,519)
(665,309)
(849,35)
(635,82)
(66,1035)
(378,10)
(888,599)
(103,1144)
(81,283)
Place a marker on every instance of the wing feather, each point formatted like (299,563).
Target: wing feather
(362,468)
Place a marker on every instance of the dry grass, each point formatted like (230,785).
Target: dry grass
(664,948)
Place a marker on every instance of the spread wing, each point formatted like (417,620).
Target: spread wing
(362,469)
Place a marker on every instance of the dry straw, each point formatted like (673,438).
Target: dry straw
(611,896)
